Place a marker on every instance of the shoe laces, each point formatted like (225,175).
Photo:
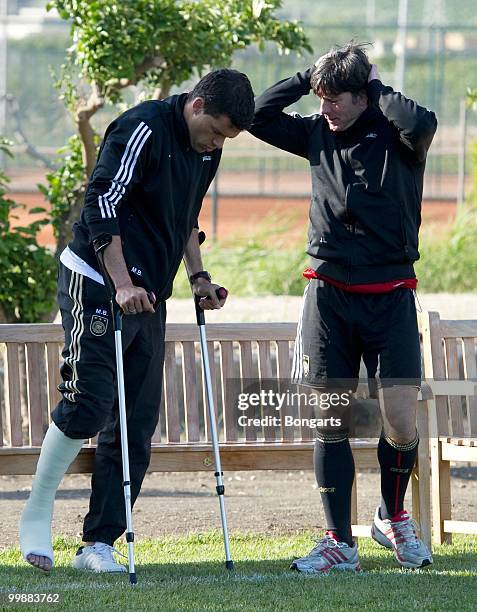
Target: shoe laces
(407,529)
(327,542)
(105,551)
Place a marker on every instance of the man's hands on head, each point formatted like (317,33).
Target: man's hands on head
(207,291)
(134,300)
(373,73)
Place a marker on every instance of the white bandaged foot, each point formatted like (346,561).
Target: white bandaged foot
(57,452)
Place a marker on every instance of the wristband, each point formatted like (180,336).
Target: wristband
(201,274)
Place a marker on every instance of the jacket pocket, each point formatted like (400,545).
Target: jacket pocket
(380,234)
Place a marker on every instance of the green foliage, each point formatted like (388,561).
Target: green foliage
(265,264)
(66,183)
(27,270)
(472,97)
(165,41)
(260,264)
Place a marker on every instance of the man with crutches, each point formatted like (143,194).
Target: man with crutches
(155,165)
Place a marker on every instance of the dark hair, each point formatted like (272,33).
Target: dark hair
(341,69)
(227,92)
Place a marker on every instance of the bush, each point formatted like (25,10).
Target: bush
(249,267)
(27,270)
(450,264)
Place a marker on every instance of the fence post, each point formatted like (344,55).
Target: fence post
(3,75)
(215,205)
(462,153)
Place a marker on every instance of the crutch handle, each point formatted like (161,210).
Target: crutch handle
(115,308)
(221,294)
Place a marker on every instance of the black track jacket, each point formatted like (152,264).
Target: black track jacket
(367,181)
(147,187)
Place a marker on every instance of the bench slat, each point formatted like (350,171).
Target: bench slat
(21,333)
(213,377)
(283,374)
(455,402)
(470,368)
(458,329)
(181,332)
(228,399)
(265,373)
(53,374)
(13,399)
(191,398)
(434,368)
(173,432)
(246,373)
(37,401)
(3,394)
(157,437)
(190,458)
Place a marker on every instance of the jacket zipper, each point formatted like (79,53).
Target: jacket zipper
(348,280)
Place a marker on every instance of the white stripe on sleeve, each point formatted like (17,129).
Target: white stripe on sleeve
(108,201)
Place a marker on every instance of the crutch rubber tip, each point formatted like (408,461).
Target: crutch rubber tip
(133,578)
(229,565)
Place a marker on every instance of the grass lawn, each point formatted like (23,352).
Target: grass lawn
(187,573)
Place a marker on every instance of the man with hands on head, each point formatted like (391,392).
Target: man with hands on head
(367,150)
(142,203)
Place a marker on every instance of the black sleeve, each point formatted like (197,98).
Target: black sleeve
(212,172)
(416,125)
(121,163)
(272,125)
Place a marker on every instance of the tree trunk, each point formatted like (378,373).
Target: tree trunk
(86,134)
(161,92)
(3,316)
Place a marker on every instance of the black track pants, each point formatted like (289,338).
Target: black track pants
(89,404)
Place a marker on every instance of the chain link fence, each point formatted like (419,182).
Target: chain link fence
(436,66)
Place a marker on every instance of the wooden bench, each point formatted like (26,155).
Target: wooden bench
(450,364)
(239,352)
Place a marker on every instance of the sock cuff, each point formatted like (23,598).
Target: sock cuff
(330,438)
(408,446)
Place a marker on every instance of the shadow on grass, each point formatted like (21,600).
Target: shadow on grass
(246,570)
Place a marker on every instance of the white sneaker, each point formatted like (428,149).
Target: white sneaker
(328,554)
(399,533)
(98,558)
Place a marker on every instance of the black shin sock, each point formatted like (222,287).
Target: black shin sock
(396,461)
(334,471)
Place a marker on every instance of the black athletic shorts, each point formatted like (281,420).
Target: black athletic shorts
(338,328)
(88,387)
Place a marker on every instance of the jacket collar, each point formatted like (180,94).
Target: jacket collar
(177,104)
(361,125)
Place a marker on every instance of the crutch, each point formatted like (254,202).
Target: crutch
(220,488)
(117,326)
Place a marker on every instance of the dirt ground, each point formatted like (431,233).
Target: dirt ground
(257,502)
(239,216)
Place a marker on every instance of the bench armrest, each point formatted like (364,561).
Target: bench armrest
(449,387)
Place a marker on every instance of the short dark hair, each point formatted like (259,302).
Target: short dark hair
(227,92)
(341,69)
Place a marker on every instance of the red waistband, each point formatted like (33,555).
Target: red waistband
(386,287)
